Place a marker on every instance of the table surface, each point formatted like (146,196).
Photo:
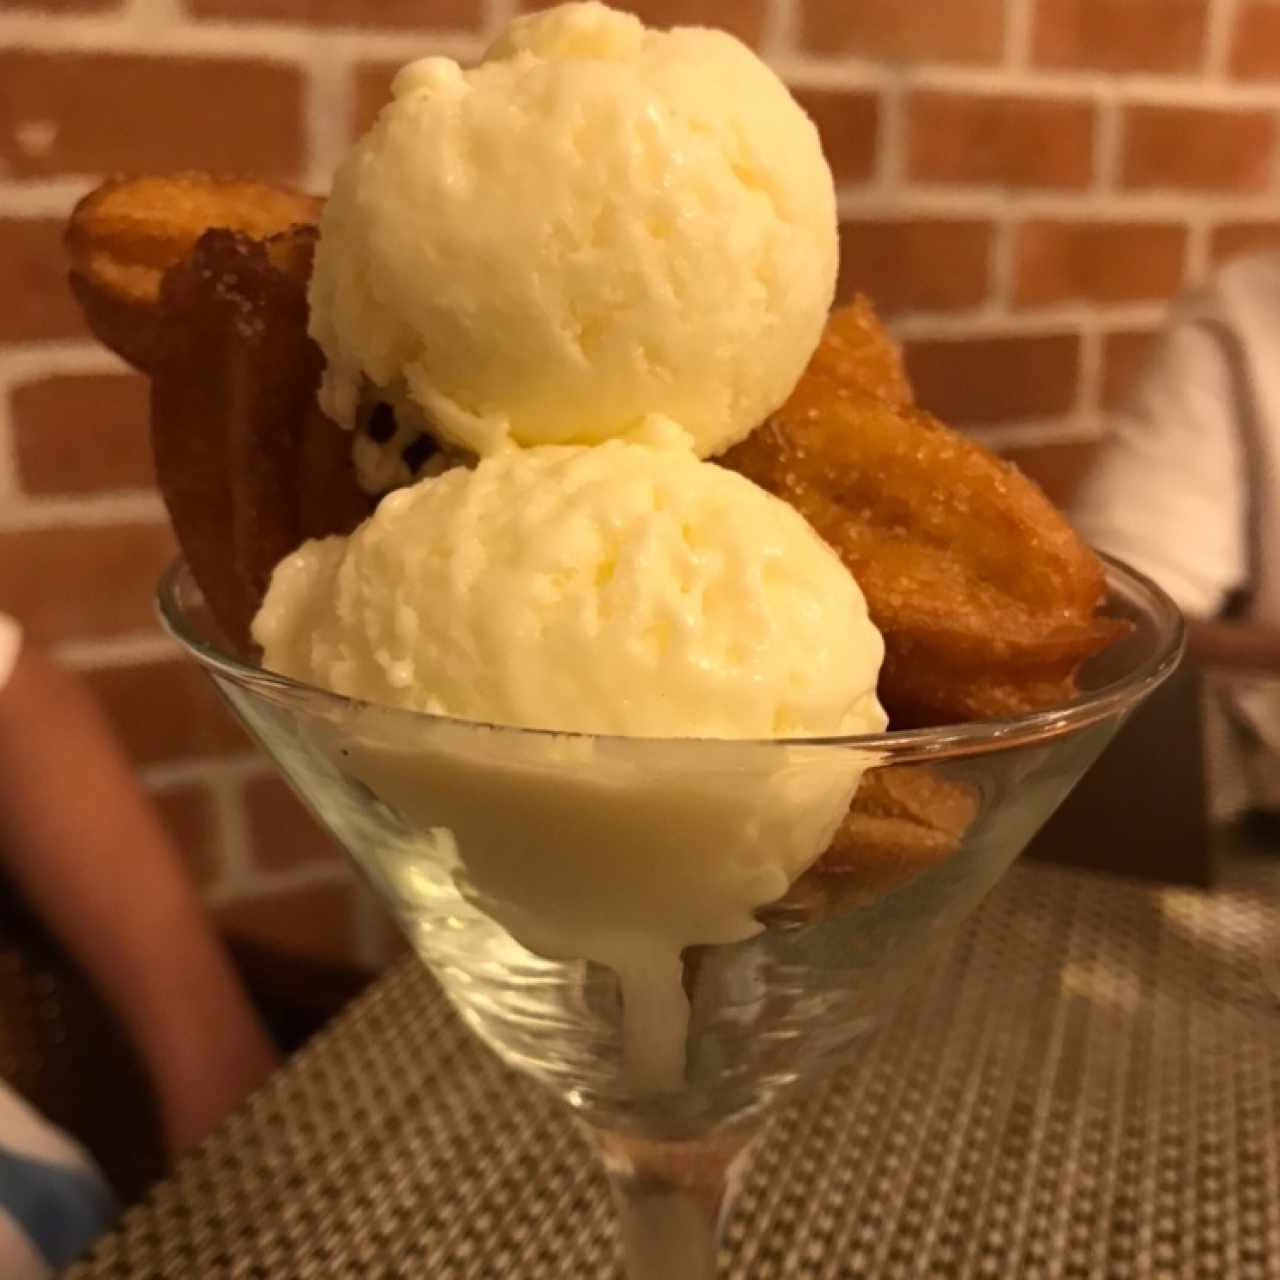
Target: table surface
(1086,1085)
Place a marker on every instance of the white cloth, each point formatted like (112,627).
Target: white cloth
(1187,485)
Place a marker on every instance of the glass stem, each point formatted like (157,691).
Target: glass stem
(672,1198)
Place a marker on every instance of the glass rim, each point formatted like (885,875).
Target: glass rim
(894,745)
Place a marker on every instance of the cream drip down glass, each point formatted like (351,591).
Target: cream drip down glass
(639,924)
(597,717)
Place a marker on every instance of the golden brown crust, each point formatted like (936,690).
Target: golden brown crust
(904,820)
(986,597)
(201,281)
(125,234)
(856,351)
(905,817)
(247,464)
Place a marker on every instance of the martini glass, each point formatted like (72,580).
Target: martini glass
(640,925)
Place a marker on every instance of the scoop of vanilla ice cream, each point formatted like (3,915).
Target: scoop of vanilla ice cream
(598,223)
(622,589)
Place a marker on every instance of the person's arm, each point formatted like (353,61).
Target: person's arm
(1168,490)
(1235,646)
(85,848)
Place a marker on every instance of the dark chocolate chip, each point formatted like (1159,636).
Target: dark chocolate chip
(382,423)
(416,454)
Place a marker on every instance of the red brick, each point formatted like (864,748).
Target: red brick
(83,581)
(188,814)
(925,264)
(1120,35)
(1255,44)
(1235,239)
(1097,261)
(464,15)
(1010,141)
(33,282)
(95,113)
(318,923)
(372,93)
(890,30)
(1197,148)
(1124,352)
(848,123)
(284,832)
(82,433)
(744,18)
(1056,468)
(166,710)
(979,381)
(64,6)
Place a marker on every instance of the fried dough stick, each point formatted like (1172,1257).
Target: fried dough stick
(986,597)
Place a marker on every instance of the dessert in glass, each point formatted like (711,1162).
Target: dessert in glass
(487,843)
(677,682)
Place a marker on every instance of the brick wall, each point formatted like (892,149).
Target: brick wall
(1023,185)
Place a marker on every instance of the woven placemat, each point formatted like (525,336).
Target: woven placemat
(1087,1085)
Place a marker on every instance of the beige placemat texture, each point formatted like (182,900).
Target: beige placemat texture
(1086,1087)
